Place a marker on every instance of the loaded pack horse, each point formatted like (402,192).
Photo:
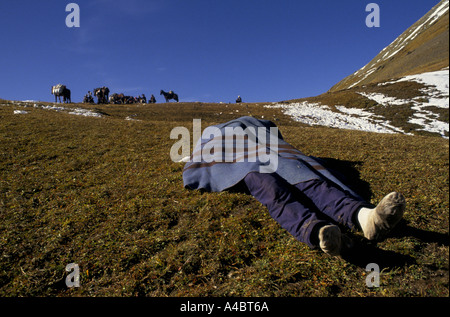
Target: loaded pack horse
(61,91)
(169,95)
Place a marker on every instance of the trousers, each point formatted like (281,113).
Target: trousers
(302,209)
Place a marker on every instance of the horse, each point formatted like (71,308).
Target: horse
(61,91)
(169,95)
(66,96)
(119,98)
(114,98)
(101,94)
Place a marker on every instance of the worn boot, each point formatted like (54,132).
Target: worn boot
(377,222)
(330,239)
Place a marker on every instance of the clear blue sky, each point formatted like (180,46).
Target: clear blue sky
(204,50)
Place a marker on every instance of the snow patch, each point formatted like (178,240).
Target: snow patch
(72,111)
(54,108)
(20,112)
(132,118)
(344,118)
(437,95)
(382,99)
(437,86)
(85,113)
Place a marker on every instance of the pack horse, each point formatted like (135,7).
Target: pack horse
(61,91)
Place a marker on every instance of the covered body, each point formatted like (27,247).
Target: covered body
(240,147)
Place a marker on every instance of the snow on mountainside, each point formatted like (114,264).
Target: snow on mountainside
(437,92)
(404,89)
(421,48)
(376,109)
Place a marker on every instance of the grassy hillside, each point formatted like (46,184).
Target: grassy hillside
(103,193)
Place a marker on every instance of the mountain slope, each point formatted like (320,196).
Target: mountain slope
(423,47)
(415,104)
(404,89)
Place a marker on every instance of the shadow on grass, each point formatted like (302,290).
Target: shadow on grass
(348,174)
(404,230)
(363,252)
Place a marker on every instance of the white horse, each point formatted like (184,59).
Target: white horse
(61,91)
(58,91)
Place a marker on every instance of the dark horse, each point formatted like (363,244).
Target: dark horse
(169,95)
(66,96)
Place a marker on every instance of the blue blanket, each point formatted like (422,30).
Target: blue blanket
(227,152)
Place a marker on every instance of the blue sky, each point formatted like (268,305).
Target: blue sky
(204,50)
